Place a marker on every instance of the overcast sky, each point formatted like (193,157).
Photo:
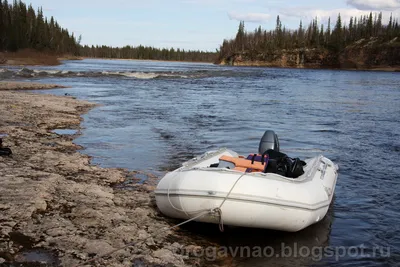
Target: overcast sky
(193,24)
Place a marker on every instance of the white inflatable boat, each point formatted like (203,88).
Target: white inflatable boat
(236,191)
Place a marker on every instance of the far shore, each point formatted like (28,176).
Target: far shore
(155,60)
(30,57)
(34,58)
(31,61)
(13,85)
(262,64)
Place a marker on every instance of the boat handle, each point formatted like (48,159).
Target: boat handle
(314,167)
(323,170)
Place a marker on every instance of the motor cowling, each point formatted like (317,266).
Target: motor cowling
(268,141)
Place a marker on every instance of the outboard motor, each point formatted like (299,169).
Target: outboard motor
(268,141)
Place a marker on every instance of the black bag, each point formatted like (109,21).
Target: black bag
(295,167)
(281,164)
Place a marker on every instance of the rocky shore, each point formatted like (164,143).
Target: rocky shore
(11,85)
(366,54)
(56,209)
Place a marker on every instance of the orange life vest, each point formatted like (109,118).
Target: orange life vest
(242,164)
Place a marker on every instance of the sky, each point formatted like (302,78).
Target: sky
(194,24)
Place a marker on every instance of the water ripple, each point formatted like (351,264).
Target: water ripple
(154,115)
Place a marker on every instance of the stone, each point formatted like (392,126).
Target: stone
(52,197)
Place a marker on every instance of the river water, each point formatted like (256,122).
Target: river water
(154,115)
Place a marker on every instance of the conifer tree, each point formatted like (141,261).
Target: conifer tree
(313,36)
(301,34)
(369,26)
(240,36)
(2,26)
(337,38)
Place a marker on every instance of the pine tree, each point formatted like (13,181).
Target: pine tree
(389,28)
(369,26)
(8,25)
(379,25)
(322,36)
(351,30)
(240,36)
(337,40)
(278,32)
(315,33)
(2,26)
(328,32)
(301,35)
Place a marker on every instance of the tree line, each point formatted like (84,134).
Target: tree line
(22,27)
(315,35)
(146,52)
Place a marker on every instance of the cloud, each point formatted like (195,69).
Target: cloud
(249,17)
(323,15)
(375,4)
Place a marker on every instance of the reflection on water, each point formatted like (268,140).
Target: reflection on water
(259,247)
(152,124)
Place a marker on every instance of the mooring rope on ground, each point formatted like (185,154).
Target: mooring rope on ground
(140,241)
(217,210)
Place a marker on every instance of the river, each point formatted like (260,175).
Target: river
(154,115)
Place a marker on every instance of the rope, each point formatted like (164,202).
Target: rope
(219,211)
(140,241)
(202,213)
(230,191)
(213,211)
(221,222)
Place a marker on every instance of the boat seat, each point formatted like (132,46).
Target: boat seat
(245,165)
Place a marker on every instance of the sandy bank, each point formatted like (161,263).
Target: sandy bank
(12,85)
(52,200)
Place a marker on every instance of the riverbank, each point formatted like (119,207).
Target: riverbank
(30,57)
(150,60)
(59,209)
(371,54)
(263,64)
(12,85)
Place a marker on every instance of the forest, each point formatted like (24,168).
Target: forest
(23,27)
(146,52)
(332,37)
